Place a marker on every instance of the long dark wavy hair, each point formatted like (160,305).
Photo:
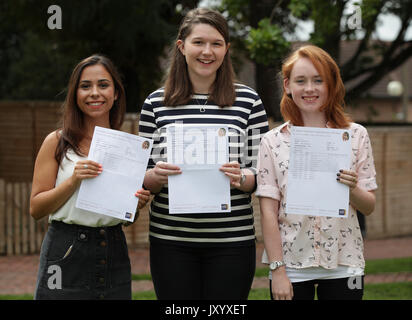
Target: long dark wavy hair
(178,88)
(72,129)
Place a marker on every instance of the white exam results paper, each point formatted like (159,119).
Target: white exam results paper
(316,156)
(124,158)
(199,150)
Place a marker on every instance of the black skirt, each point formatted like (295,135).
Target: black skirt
(83,263)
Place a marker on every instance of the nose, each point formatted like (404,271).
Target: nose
(309,86)
(207,49)
(95,91)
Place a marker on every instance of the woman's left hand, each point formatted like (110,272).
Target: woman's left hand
(233,171)
(350,178)
(144,197)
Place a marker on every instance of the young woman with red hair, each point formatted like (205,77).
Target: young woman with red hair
(302,250)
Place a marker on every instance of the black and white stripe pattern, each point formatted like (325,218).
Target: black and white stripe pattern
(247,122)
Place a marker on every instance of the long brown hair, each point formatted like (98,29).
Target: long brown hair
(72,130)
(178,88)
(329,71)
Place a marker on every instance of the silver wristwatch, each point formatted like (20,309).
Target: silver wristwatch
(275,265)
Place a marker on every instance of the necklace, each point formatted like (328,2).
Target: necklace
(202,106)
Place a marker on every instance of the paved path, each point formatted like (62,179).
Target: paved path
(18,273)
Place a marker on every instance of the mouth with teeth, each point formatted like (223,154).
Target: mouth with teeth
(310,98)
(205,62)
(95,104)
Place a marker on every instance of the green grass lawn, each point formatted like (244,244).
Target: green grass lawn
(380,291)
(388,265)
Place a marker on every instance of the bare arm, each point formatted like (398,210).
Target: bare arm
(45,197)
(281,287)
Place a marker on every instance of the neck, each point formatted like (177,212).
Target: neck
(202,85)
(90,124)
(314,120)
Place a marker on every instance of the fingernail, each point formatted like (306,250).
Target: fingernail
(337,179)
(340,170)
(338,174)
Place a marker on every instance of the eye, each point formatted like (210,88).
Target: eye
(103,85)
(318,81)
(84,86)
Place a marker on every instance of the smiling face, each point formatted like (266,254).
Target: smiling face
(96,92)
(307,88)
(204,50)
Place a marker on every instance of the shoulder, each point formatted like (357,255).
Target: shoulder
(357,129)
(153,100)
(156,95)
(52,139)
(274,134)
(245,91)
(49,146)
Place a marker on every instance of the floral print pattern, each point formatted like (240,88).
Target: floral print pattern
(309,241)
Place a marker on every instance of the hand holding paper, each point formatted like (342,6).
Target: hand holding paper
(124,158)
(350,178)
(199,151)
(316,156)
(233,171)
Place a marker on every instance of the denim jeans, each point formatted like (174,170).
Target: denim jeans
(78,262)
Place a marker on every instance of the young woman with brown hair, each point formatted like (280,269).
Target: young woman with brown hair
(203,255)
(87,248)
(304,251)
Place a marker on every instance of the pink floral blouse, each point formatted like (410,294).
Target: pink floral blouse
(309,241)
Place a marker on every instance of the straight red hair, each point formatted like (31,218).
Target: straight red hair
(329,71)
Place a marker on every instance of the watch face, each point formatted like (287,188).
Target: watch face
(276,264)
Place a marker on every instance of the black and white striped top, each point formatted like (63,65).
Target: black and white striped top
(247,122)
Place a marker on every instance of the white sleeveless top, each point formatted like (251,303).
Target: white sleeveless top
(68,213)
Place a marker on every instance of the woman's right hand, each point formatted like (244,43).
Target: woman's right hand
(282,288)
(156,177)
(163,170)
(85,169)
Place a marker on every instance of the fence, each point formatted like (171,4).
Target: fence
(20,233)
(23,127)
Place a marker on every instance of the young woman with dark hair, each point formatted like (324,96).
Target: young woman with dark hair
(203,255)
(88,251)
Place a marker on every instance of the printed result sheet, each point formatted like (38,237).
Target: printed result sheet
(124,158)
(199,150)
(316,156)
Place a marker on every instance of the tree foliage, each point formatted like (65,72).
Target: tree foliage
(266,43)
(36,62)
(269,38)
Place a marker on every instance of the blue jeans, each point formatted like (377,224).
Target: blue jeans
(78,262)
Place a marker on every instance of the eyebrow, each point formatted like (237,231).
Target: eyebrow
(100,80)
(214,40)
(301,76)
